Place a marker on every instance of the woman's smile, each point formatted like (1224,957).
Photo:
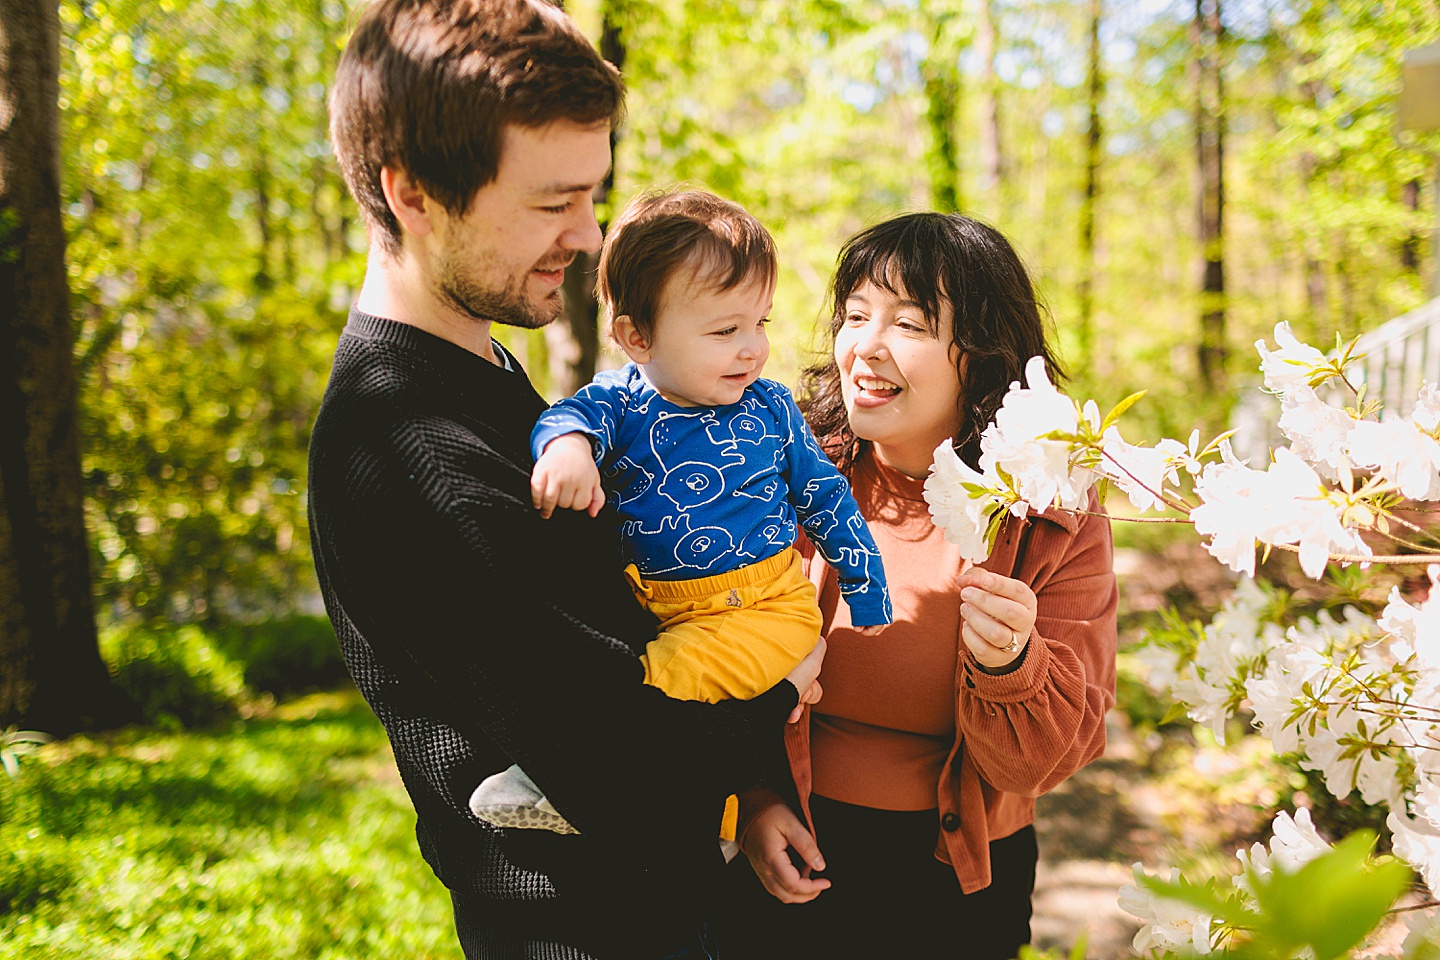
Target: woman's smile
(898,377)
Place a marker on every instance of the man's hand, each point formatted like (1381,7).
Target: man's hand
(767,844)
(565,476)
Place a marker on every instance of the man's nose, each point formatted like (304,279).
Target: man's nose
(583,232)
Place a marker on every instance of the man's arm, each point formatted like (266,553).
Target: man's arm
(447,577)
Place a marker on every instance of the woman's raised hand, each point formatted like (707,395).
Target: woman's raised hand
(767,843)
(997,615)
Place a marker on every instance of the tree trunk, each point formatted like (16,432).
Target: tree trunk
(51,675)
(1095,91)
(1410,246)
(992,161)
(574,342)
(941,74)
(1208,39)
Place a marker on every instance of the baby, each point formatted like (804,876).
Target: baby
(709,466)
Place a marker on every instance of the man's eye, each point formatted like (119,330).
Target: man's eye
(561,208)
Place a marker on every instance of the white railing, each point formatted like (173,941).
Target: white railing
(1400,355)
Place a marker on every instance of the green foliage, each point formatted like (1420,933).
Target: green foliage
(213,251)
(286,656)
(287,838)
(211,258)
(175,674)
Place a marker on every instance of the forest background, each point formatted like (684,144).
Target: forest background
(213,250)
(1179,175)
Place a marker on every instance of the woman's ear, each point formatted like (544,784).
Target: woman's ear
(635,344)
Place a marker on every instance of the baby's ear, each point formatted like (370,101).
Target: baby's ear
(635,344)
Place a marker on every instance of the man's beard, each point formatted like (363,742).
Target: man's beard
(508,306)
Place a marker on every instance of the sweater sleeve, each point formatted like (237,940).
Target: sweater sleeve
(453,578)
(830,517)
(595,411)
(1029,729)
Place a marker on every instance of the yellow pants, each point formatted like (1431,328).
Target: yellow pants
(730,636)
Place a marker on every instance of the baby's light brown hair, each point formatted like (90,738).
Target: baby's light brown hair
(662,232)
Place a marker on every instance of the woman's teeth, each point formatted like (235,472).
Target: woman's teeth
(870,385)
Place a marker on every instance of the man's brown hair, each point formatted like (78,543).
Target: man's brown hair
(428,85)
(661,232)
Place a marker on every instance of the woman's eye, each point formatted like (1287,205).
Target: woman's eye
(910,326)
(855,318)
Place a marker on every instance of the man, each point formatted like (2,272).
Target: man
(472,134)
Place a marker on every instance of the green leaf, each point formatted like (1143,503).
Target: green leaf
(1331,903)
(1204,896)
(1120,408)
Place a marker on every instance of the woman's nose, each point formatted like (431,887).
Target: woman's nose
(870,344)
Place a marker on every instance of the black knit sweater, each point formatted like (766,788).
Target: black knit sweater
(482,635)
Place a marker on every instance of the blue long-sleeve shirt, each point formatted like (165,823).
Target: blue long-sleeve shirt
(707,490)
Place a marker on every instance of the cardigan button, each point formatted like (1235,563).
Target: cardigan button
(950,822)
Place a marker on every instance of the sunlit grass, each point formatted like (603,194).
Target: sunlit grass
(284,836)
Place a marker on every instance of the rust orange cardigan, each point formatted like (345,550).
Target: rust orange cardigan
(1019,734)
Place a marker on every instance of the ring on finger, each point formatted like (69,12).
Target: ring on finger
(1014,645)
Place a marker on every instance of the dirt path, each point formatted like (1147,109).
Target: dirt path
(1091,829)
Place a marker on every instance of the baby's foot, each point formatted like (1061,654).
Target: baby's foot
(511,799)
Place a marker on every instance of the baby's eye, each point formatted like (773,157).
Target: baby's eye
(724,333)
(763,322)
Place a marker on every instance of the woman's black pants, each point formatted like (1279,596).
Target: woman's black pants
(889,896)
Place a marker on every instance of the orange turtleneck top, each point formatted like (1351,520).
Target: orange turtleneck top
(910,721)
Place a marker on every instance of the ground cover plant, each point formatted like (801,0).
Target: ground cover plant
(282,836)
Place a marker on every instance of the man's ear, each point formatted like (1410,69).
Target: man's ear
(635,344)
(408,201)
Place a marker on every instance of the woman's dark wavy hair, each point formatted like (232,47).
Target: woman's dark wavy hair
(934,258)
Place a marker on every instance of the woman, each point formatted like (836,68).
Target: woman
(920,766)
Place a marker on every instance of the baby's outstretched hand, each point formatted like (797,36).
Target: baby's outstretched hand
(565,476)
(870,631)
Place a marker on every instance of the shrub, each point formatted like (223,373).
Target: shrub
(177,676)
(295,655)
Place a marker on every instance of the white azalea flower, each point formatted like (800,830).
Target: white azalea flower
(1417,842)
(961,514)
(1285,504)
(1291,364)
(1317,431)
(1274,694)
(1294,842)
(1399,451)
(1376,777)
(1415,630)
(1168,924)
(1013,443)
(1141,471)
(1427,408)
